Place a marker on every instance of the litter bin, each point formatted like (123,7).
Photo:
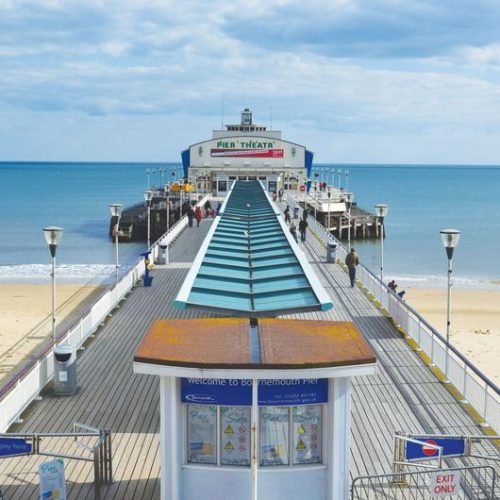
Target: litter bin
(295,212)
(64,370)
(331,251)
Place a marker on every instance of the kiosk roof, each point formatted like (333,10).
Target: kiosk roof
(227,343)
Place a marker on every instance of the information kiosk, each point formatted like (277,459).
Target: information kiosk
(254,411)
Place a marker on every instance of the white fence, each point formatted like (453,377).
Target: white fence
(16,396)
(476,388)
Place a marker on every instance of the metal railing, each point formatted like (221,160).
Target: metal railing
(18,393)
(99,448)
(476,388)
(475,483)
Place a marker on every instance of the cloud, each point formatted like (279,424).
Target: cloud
(378,67)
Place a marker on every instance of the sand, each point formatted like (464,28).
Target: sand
(26,312)
(474,325)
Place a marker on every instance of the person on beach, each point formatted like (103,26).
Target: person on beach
(351,261)
(392,285)
(302,229)
(197,214)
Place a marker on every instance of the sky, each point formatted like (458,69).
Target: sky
(356,81)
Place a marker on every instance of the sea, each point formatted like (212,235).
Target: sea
(422,200)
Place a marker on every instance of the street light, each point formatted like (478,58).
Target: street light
(346,171)
(148,196)
(349,198)
(116,210)
(329,192)
(450,238)
(53,235)
(381,211)
(339,173)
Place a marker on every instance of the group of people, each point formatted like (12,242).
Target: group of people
(197,213)
(393,286)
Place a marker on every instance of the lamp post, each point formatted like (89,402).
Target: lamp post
(329,192)
(450,238)
(346,171)
(381,211)
(148,196)
(339,174)
(315,198)
(349,197)
(53,235)
(116,210)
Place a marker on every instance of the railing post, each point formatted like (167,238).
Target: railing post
(97,475)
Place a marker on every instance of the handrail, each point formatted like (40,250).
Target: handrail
(461,373)
(19,391)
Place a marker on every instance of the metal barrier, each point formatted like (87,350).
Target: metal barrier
(477,389)
(99,446)
(474,483)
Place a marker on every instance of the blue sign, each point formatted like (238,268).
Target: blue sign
(212,391)
(452,447)
(293,392)
(234,392)
(10,447)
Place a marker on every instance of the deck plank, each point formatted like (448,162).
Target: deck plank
(403,395)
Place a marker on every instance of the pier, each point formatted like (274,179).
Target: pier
(405,395)
(333,210)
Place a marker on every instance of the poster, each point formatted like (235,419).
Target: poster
(235,435)
(307,434)
(202,421)
(52,480)
(274,428)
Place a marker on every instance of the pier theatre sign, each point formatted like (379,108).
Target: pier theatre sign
(246,149)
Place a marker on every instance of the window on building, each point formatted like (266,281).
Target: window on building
(288,435)
(202,428)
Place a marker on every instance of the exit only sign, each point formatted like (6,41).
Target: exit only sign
(444,483)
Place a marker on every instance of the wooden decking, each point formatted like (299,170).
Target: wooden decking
(404,395)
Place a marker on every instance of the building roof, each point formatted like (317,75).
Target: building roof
(230,343)
(249,264)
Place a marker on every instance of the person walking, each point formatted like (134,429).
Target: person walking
(190,216)
(293,230)
(302,229)
(197,215)
(286,213)
(351,261)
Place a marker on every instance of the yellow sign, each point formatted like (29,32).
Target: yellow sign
(229,446)
(229,430)
(301,445)
(301,429)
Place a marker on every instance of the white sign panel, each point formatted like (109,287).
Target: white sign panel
(52,480)
(235,432)
(444,483)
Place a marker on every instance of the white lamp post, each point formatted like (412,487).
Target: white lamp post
(339,175)
(381,211)
(116,210)
(53,235)
(329,193)
(349,198)
(148,196)
(450,238)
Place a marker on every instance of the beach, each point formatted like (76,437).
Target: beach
(26,312)
(474,325)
